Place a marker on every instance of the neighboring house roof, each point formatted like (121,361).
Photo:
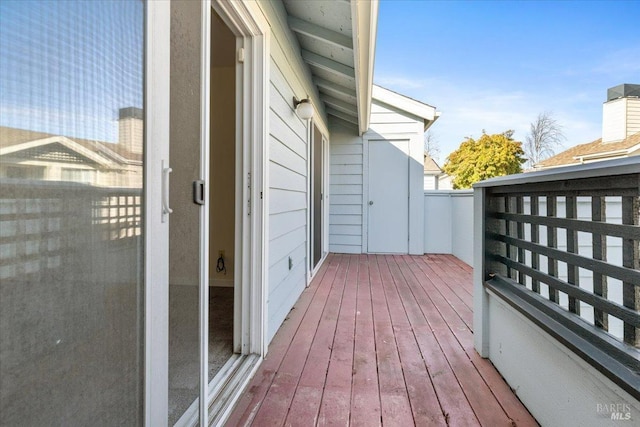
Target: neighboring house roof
(420,109)
(337,42)
(431,167)
(593,151)
(13,140)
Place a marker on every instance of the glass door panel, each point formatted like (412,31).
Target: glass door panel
(184,223)
(71,197)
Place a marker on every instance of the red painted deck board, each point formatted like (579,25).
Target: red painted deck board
(380,340)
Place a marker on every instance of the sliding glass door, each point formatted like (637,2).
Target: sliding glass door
(72,150)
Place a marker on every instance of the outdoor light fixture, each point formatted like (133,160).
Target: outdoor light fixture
(303,107)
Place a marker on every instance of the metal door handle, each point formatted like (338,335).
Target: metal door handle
(198,192)
(370,202)
(165,191)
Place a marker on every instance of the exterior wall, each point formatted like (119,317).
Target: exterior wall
(444,183)
(345,199)
(633,116)
(437,222)
(566,390)
(390,123)
(287,170)
(430,182)
(448,223)
(620,119)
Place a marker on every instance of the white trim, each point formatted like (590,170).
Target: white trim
(245,19)
(364,18)
(156,234)
(205,140)
(404,103)
(365,194)
(64,141)
(325,195)
(309,205)
(622,166)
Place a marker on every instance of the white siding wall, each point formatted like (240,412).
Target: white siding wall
(345,192)
(613,120)
(620,119)
(633,116)
(287,170)
(390,123)
(430,182)
(347,197)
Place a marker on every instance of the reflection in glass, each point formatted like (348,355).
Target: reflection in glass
(71,147)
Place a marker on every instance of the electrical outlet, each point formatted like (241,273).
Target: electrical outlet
(290,263)
(221,253)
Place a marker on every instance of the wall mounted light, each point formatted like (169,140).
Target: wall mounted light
(303,107)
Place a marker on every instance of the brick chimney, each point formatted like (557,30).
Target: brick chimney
(130,129)
(621,113)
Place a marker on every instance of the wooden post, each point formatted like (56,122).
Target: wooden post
(630,259)
(599,243)
(535,238)
(573,272)
(552,242)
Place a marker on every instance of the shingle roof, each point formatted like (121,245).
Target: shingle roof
(430,165)
(13,136)
(574,155)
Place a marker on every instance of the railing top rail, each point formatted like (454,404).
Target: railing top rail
(64,186)
(448,192)
(629,165)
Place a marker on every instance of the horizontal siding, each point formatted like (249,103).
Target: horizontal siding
(281,154)
(345,190)
(396,128)
(284,201)
(282,223)
(386,120)
(342,169)
(633,116)
(287,199)
(286,179)
(346,219)
(345,239)
(282,298)
(345,249)
(346,230)
(348,210)
(390,117)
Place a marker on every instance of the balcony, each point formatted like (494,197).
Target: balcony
(556,289)
(379,339)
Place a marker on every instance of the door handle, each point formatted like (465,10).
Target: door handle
(370,202)
(198,192)
(166,210)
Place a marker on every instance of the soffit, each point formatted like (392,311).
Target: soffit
(324,30)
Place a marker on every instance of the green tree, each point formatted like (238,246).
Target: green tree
(489,156)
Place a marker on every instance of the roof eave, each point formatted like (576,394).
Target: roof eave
(364,15)
(428,123)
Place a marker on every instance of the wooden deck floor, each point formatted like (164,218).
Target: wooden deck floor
(379,339)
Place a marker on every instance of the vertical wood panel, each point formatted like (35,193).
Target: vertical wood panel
(599,243)
(535,238)
(552,242)
(630,259)
(572,247)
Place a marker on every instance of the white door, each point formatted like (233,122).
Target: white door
(388,204)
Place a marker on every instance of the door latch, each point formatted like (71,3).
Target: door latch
(198,192)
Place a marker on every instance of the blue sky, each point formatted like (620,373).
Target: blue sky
(495,65)
(67,67)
